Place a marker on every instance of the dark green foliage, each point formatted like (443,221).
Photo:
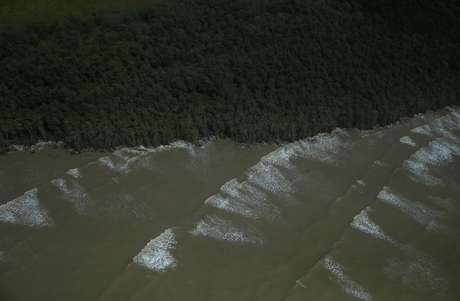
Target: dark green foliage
(249,70)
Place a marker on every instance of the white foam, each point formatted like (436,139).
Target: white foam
(119,166)
(156,255)
(379,163)
(408,140)
(74,172)
(300,283)
(18,148)
(39,146)
(324,147)
(269,177)
(363,223)
(270,174)
(455,112)
(361,182)
(73,192)
(416,210)
(350,286)
(126,153)
(282,155)
(244,199)
(126,157)
(441,126)
(26,210)
(221,229)
(189,147)
(439,152)
(42,145)
(422,130)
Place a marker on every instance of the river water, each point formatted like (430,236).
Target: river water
(350,215)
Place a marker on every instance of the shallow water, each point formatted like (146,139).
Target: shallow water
(351,215)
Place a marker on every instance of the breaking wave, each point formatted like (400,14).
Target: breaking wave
(350,286)
(439,152)
(26,210)
(363,223)
(269,177)
(126,157)
(118,166)
(408,140)
(323,147)
(245,199)
(417,211)
(74,172)
(379,163)
(156,255)
(361,182)
(441,126)
(221,229)
(37,147)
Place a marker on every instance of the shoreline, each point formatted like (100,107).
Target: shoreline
(40,145)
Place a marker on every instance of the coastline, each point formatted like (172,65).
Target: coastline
(40,145)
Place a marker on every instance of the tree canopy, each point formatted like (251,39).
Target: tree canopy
(250,70)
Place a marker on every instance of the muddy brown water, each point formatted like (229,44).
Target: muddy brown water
(350,215)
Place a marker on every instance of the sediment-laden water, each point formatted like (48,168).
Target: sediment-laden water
(350,215)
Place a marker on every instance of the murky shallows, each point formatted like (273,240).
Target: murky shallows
(350,215)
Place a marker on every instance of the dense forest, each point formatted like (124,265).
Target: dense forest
(250,70)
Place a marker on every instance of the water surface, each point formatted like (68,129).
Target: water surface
(350,215)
